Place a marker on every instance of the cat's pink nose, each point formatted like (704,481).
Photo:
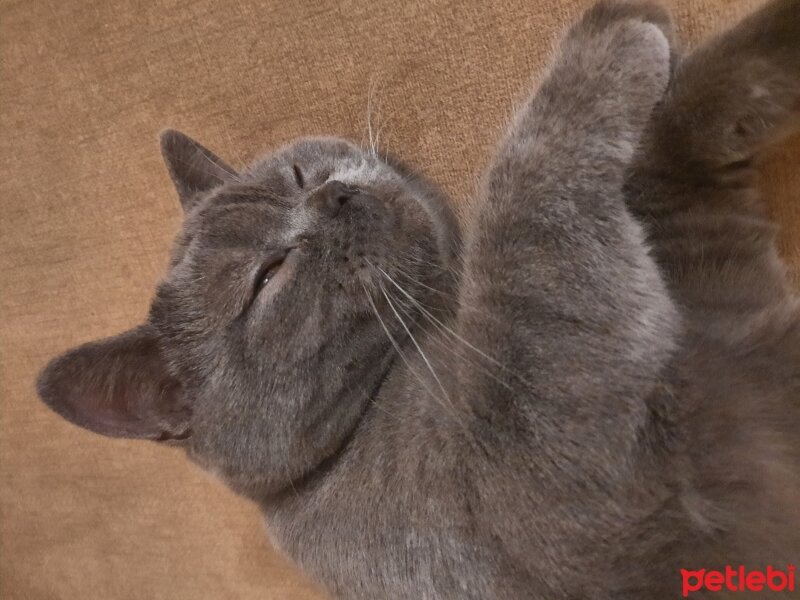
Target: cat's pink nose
(331,197)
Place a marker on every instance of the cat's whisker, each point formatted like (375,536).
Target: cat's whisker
(400,353)
(413,280)
(416,282)
(428,265)
(445,294)
(381,126)
(370,93)
(450,331)
(395,344)
(378,131)
(375,113)
(428,315)
(419,348)
(442,343)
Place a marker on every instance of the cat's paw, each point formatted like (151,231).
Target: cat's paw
(737,92)
(629,28)
(618,57)
(609,14)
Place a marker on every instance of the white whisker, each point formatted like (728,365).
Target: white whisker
(450,330)
(418,347)
(442,342)
(370,93)
(395,344)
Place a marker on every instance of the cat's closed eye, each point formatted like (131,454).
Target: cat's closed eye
(298,176)
(267,271)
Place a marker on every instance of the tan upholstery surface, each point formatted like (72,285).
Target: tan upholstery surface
(87,213)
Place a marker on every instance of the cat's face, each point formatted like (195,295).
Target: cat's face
(271,329)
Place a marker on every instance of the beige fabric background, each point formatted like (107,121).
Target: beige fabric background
(87,214)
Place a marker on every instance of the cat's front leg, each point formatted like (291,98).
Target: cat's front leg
(565,322)
(560,296)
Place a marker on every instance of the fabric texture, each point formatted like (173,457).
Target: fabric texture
(87,214)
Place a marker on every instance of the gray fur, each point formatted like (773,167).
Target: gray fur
(596,388)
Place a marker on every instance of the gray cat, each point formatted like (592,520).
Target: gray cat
(595,388)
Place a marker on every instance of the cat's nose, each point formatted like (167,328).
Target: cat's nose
(331,197)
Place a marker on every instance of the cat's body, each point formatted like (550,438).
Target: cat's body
(596,388)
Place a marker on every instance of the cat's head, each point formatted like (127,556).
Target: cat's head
(271,330)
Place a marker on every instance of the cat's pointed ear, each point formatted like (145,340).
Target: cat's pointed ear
(193,168)
(118,387)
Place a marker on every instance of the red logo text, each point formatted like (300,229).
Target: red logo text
(738,580)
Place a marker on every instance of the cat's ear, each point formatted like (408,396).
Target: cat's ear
(118,387)
(193,168)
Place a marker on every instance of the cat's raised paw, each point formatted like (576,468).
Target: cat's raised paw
(621,52)
(610,13)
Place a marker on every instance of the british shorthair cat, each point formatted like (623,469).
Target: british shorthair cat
(592,386)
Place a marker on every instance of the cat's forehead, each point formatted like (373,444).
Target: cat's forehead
(320,159)
(269,186)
